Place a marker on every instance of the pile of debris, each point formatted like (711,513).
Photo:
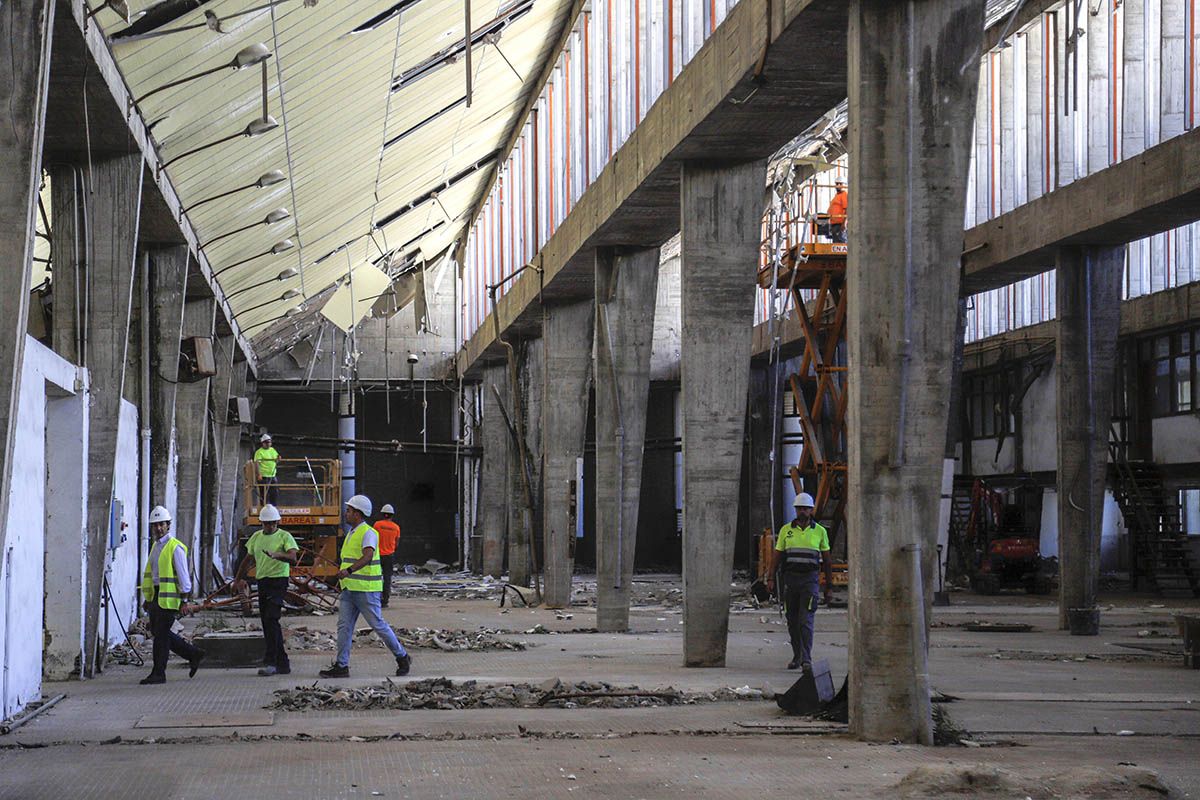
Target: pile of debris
(452,586)
(447,695)
(450,641)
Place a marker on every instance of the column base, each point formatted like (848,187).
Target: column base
(1083,621)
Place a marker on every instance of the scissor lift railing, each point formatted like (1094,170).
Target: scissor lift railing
(309,499)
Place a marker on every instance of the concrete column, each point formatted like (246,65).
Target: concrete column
(520,512)
(70,281)
(762,473)
(1088,294)
(567,343)
(721,210)
(114,205)
(168,284)
(191,404)
(493,480)
(626,288)
(230,382)
(25,28)
(913,82)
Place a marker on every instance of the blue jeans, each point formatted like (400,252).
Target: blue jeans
(350,605)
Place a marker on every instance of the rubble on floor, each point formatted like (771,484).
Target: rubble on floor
(445,694)
(447,586)
(451,641)
(980,781)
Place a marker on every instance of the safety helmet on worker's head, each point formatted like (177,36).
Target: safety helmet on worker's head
(269,513)
(160,514)
(360,503)
(266,437)
(804,500)
(387,509)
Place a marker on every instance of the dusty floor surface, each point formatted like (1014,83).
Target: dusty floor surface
(1049,715)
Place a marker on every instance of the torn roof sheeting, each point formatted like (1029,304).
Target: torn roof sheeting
(376,142)
(353,299)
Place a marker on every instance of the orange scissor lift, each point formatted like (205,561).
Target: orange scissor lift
(814,273)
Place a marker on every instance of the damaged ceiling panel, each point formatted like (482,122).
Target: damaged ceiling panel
(306,137)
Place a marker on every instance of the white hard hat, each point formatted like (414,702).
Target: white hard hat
(266,437)
(387,509)
(269,513)
(159,514)
(361,503)
(804,500)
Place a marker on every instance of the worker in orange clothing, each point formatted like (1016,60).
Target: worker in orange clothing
(389,535)
(837,212)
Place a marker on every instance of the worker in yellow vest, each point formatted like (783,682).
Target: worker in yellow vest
(802,547)
(165,583)
(361,577)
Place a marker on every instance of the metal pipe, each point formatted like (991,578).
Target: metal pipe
(144,489)
(898,455)
(620,437)
(24,718)
(7,624)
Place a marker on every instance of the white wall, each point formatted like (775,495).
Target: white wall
(1176,439)
(22,562)
(121,567)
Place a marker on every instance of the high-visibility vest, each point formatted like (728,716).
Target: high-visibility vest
(168,584)
(802,547)
(368,578)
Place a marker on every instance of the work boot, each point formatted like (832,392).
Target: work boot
(152,679)
(267,671)
(283,669)
(194,663)
(335,671)
(794,664)
(403,664)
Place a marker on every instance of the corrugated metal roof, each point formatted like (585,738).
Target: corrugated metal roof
(338,96)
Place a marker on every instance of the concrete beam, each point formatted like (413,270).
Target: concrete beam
(1088,294)
(1154,191)
(168,280)
(768,61)
(191,403)
(720,230)
(913,84)
(25,27)
(114,202)
(492,519)
(626,289)
(567,339)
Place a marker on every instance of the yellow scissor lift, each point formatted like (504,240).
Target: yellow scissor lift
(309,499)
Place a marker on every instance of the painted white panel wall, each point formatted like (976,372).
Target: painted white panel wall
(1040,425)
(985,461)
(1176,439)
(122,565)
(1112,531)
(23,562)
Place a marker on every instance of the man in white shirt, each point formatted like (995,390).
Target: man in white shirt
(165,583)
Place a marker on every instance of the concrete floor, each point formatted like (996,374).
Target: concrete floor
(1041,702)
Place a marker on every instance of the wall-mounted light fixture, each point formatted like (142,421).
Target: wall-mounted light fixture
(288,295)
(266,179)
(257,127)
(277,248)
(291,312)
(250,56)
(278,215)
(284,275)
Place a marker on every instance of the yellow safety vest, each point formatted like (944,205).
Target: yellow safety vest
(369,578)
(168,585)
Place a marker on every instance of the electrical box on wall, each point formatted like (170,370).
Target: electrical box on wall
(116,524)
(196,360)
(239,409)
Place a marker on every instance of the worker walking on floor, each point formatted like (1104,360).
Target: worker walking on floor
(274,551)
(389,535)
(266,460)
(165,583)
(838,207)
(802,546)
(361,578)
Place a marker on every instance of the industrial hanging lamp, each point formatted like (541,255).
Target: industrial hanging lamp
(266,179)
(278,215)
(291,312)
(284,275)
(288,295)
(250,56)
(119,6)
(256,128)
(276,249)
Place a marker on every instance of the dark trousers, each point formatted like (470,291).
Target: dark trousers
(167,641)
(268,491)
(800,591)
(837,232)
(270,609)
(388,563)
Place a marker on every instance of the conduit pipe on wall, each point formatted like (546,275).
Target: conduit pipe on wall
(144,412)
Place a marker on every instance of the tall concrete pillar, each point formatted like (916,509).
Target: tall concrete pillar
(229,383)
(114,204)
(25,28)
(168,285)
(1088,295)
(913,70)
(567,343)
(70,281)
(626,288)
(521,507)
(492,517)
(191,404)
(721,210)
(762,475)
